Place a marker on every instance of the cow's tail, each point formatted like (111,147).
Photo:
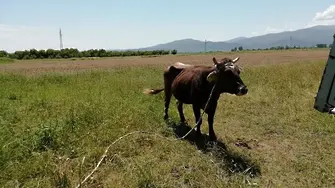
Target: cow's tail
(152,91)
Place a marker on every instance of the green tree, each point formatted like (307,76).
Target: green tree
(33,54)
(50,53)
(321,45)
(3,53)
(42,54)
(280,48)
(102,53)
(73,53)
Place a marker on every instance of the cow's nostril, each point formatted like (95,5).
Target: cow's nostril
(244,90)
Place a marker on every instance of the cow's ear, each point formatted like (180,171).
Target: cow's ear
(212,76)
(215,61)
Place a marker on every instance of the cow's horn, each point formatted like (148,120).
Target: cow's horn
(236,59)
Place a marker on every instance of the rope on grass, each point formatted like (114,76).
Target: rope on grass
(145,132)
(104,156)
(118,139)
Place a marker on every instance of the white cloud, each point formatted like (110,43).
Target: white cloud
(327,17)
(328,14)
(323,22)
(270,29)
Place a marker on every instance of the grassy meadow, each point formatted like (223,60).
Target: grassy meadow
(4,60)
(56,126)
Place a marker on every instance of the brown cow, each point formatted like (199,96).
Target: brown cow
(192,84)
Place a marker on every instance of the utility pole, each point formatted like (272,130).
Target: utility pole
(290,41)
(60,39)
(205,45)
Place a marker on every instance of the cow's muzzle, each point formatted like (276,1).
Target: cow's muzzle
(243,90)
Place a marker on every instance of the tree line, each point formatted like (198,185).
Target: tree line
(240,48)
(75,53)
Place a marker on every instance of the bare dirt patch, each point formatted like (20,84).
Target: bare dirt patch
(247,59)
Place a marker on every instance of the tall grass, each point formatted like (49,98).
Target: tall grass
(55,127)
(4,60)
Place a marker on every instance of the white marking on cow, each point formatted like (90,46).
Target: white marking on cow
(182,65)
(230,65)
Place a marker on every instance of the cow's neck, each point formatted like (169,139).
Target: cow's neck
(216,93)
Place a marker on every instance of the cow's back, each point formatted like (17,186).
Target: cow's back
(187,85)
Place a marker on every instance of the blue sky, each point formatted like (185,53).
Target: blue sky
(141,23)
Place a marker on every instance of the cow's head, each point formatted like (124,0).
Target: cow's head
(227,77)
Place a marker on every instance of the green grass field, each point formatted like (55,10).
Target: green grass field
(56,126)
(4,60)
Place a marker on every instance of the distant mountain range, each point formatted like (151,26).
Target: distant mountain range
(307,37)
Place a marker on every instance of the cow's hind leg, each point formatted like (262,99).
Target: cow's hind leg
(196,111)
(169,76)
(168,79)
(181,112)
(168,95)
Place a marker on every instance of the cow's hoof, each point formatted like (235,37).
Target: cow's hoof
(212,138)
(198,132)
(183,122)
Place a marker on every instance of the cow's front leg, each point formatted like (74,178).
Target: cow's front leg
(196,111)
(212,136)
(211,114)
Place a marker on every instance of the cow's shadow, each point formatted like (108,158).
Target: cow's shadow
(231,162)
